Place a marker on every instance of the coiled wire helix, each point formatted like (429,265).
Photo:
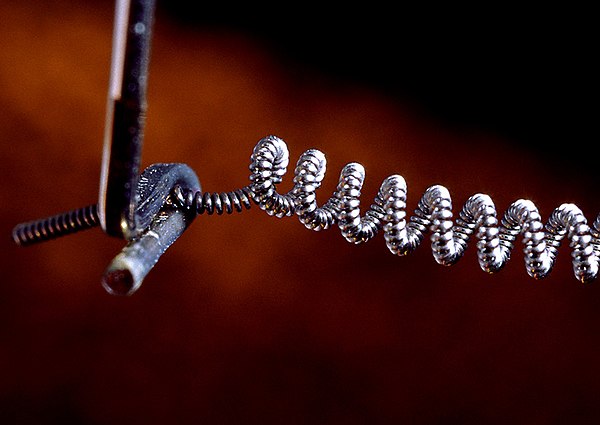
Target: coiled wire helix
(56,226)
(495,239)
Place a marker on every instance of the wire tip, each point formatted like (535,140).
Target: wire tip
(119,282)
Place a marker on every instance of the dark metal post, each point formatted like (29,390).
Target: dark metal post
(125,117)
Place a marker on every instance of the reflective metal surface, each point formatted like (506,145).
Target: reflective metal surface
(125,117)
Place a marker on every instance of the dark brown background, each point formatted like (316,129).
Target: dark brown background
(249,319)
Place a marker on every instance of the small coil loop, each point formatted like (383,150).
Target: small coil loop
(58,225)
(210,203)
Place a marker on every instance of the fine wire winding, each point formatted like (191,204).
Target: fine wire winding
(58,225)
(478,217)
(495,238)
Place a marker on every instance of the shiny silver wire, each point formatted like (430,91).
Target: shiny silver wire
(478,217)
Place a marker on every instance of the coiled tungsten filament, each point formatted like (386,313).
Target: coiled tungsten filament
(478,217)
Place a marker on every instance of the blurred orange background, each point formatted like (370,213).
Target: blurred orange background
(251,319)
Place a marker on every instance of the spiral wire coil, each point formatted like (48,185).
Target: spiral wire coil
(57,225)
(449,239)
(495,238)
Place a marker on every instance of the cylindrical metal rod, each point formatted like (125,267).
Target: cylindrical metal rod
(125,117)
(126,272)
